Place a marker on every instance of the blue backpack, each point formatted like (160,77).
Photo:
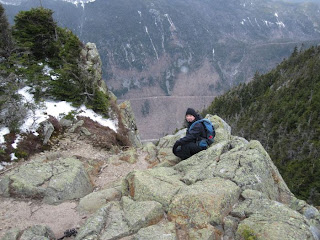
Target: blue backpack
(209,130)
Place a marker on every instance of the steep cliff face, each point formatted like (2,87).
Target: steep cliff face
(176,49)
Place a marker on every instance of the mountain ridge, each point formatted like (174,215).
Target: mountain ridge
(149,48)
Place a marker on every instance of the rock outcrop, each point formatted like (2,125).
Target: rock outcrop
(230,191)
(93,65)
(53,182)
(129,122)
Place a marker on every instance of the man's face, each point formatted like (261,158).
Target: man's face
(190,118)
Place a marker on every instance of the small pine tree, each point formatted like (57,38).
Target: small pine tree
(36,30)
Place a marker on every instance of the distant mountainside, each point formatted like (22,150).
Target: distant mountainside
(167,55)
(282,110)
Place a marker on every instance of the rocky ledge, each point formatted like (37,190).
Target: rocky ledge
(230,191)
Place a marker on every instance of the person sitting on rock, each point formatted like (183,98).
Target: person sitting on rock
(187,146)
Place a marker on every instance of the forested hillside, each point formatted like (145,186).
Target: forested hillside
(282,110)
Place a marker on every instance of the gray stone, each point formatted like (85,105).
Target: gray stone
(164,149)
(249,194)
(69,181)
(204,203)
(12,234)
(47,129)
(37,232)
(207,233)
(54,182)
(230,227)
(157,232)
(75,126)
(222,129)
(116,225)
(158,184)
(151,150)
(200,166)
(141,214)
(252,168)
(94,201)
(93,66)
(267,219)
(129,122)
(85,131)
(95,224)
(4,186)
(65,123)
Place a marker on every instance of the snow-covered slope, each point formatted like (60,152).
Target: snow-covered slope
(41,112)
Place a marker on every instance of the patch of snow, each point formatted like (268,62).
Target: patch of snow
(140,13)
(173,27)
(17,3)
(57,110)
(280,24)
(81,2)
(46,70)
(184,69)
(98,118)
(4,164)
(276,14)
(42,111)
(3,131)
(257,22)
(27,97)
(15,143)
(13,157)
(269,24)
(154,48)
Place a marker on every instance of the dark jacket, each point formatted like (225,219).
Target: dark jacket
(197,132)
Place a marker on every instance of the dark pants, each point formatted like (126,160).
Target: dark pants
(187,150)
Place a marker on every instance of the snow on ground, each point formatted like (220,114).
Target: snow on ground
(57,110)
(45,109)
(3,131)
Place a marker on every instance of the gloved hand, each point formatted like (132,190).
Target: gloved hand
(175,146)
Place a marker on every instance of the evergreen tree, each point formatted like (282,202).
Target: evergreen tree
(36,30)
(6,44)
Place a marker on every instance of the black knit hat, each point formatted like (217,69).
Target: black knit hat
(192,112)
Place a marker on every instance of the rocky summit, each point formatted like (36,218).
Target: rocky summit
(230,191)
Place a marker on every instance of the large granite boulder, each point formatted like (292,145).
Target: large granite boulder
(53,181)
(94,201)
(268,219)
(204,203)
(158,184)
(36,232)
(120,219)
